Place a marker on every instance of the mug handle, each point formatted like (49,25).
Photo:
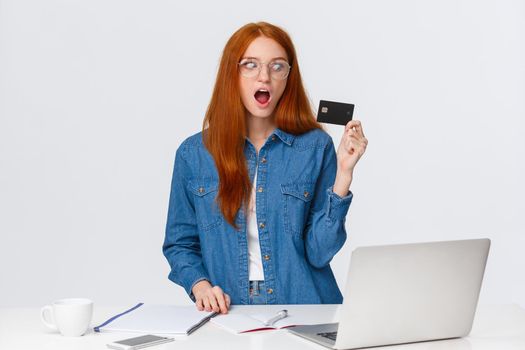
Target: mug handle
(43,317)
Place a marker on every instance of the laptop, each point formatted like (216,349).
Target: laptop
(406,293)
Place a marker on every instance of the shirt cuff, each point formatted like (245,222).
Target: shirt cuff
(188,279)
(338,206)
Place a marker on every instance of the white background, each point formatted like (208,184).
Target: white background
(96,96)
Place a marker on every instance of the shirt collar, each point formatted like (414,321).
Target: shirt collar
(284,136)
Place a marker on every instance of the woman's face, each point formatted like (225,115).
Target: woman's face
(261,93)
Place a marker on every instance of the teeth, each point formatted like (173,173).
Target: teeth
(263,90)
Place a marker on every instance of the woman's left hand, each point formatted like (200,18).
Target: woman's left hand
(352,147)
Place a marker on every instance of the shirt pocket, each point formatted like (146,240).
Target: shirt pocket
(206,207)
(297,197)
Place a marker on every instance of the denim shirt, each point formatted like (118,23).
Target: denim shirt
(301,221)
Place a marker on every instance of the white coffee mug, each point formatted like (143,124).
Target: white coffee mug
(71,317)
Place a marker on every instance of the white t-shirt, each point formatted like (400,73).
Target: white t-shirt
(255,268)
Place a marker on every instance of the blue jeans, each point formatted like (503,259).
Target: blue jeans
(258,293)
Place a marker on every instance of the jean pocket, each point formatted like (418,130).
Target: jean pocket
(297,197)
(206,207)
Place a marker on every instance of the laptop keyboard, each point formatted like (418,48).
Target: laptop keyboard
(329,335)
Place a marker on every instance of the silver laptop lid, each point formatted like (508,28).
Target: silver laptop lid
(411,292)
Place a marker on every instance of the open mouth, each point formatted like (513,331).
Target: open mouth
(262,96)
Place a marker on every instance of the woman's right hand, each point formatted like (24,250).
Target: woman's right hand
(210,298)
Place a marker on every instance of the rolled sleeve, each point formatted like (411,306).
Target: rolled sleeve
(338,206)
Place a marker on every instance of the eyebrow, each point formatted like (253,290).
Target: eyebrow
(257,58)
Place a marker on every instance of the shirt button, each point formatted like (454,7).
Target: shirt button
(273,138)
(260,189)
(201,189)
(266,257)
(263,160)
(262,225)
(269,290)
(306,194)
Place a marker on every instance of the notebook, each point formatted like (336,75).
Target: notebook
(157,319)
(243,319)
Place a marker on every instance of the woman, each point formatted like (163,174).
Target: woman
(259,197)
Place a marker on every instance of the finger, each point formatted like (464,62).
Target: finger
(349,135)
(355,132)
(221,300)
(228,300)
(353,140)
(352,124)
(359,129)
(357,145)
(206,302)
(356,139)
(199,304)
(358,142)
(356,126)
(222,303)
(213,303)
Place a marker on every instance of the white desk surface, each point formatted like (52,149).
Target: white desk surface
(495,327)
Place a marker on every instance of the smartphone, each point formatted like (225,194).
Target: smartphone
(335,112)
(138,342)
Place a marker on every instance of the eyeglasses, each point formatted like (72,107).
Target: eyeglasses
(251,67)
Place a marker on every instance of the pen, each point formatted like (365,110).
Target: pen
(201,323)
(280,315)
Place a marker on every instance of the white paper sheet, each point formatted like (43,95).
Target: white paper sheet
(158,319)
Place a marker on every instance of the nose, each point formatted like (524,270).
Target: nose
(264,73)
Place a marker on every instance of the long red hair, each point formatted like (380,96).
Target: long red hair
(224,127)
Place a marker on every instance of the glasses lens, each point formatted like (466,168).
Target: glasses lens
(249,68)
(279,69)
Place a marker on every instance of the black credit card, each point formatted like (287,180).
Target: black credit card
(335,112)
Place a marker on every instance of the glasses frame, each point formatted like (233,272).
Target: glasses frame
(260,68)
